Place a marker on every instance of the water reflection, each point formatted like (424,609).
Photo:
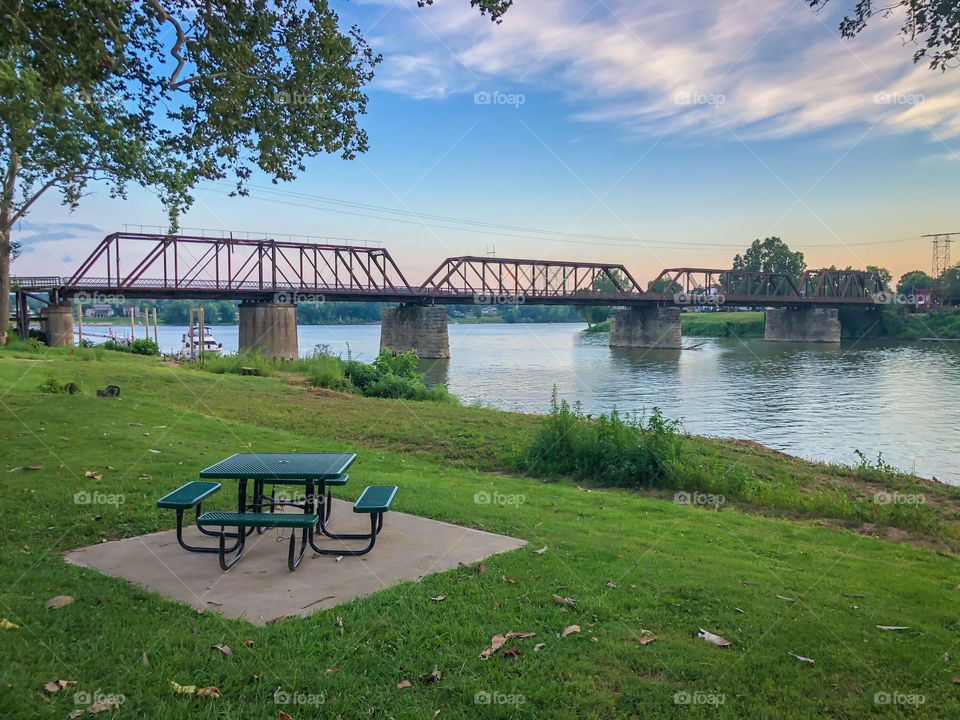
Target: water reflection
(817,401)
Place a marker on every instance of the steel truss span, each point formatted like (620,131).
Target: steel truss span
(146,265)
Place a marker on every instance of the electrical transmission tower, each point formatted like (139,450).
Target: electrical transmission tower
(941,253)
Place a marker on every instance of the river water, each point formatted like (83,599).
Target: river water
(815,401)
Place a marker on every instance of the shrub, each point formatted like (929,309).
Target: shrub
(144,346)
(324,370)
(51,386)
(616,450)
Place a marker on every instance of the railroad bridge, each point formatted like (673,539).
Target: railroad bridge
(269,277)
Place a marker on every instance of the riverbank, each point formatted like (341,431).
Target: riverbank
(713,324)
(633,561)
(887,324)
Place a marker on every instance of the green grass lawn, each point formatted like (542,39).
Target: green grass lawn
(635,563)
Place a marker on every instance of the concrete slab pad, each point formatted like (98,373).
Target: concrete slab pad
(260,588)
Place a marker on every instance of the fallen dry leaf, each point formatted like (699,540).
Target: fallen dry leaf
(179,689)
(512,652)
(611,586)
(7,625)
(711,638)
(509,580)
(801,658)
(333,671)
(739,610)
(788,599)
(105,704)
(75,714)
(647,639)
(569,630)
(439,598)
(565,601)
(496,642)
(404,684)
(58,685)
(58,602)
(248,643)
(281,715)
(956,681)
(33,467)
(893,627)
(539,646)
(541,551)
(145,659)
(225,649)
(521,635)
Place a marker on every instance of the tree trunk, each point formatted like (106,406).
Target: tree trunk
(6,224)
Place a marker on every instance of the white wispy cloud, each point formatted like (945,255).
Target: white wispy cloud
(761,68)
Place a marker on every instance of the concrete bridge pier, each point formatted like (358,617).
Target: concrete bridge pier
(801,325)
(270,328)
(415,327)
(57,322)
(646,327)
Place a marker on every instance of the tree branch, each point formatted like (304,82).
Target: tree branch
(181,39)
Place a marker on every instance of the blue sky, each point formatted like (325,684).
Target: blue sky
(657,134)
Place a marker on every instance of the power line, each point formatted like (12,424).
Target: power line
(443,222)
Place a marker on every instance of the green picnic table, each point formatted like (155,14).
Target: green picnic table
(308,470)
(280,469)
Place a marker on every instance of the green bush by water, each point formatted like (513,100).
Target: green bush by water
(616,450)
(142,346)
(388,376)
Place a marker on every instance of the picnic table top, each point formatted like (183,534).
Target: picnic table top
(280,466)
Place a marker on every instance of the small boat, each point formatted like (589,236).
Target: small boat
(192,344)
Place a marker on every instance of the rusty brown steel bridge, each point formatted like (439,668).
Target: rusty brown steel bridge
(153,266)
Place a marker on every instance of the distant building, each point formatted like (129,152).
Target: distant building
(923,296)
(99,310)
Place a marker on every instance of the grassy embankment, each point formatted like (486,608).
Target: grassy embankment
(633,561)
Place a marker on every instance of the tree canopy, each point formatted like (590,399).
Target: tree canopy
(771,255)
(914,280)
(932,25)
(165,94)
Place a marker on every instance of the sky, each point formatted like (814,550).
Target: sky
(654,134)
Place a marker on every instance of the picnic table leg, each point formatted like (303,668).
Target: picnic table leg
(376,527)
(376,523)
(194,548)
(258,485)
(211,533)
(329,506)
(223,550)
(242,504)
(292,560)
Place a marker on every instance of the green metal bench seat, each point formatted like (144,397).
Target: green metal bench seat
(304,521)
(375,500)
(252,519)
(185,497)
